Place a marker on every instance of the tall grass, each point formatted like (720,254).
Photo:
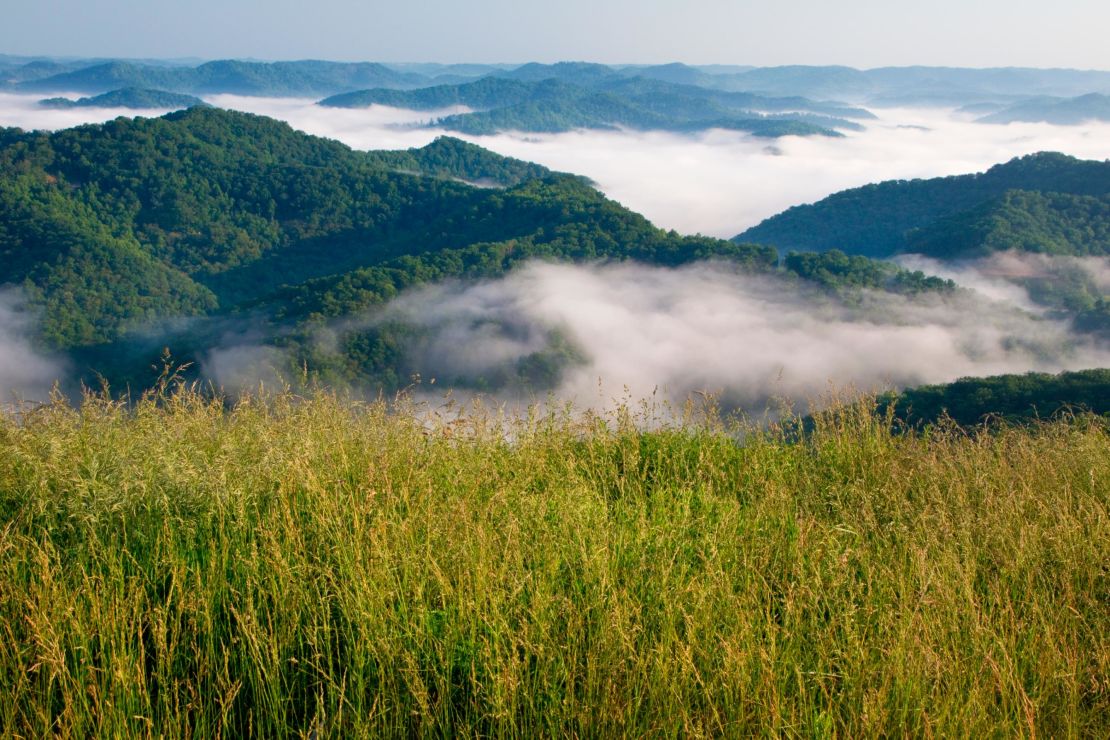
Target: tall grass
(321,567)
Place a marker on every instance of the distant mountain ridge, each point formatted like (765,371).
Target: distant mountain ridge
(1010,398)
(128,97)
(1059,111)
(607,100)
(276,79)
(311,78)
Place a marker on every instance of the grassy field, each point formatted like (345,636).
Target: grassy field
(294,567)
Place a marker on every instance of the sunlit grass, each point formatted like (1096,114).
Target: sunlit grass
(288,566)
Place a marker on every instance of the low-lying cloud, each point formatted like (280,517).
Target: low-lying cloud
(1006,276)
(244,368)
(708,328)
(25,372)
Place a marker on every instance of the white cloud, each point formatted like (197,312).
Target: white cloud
(25,372)
(706,327)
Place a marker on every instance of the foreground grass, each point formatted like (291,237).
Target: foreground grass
(291,567)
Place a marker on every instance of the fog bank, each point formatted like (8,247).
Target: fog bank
(708,328)
(25,373)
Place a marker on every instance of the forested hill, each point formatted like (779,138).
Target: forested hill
(453,158)
(206,212)
(203,209)
(113,229)
(1048,223)
(884,219)
(1013,398)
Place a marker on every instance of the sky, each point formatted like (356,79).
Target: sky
(859,33)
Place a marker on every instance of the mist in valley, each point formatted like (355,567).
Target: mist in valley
(26,372)
(633,330)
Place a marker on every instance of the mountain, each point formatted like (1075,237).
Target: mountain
(837,82)
(18,70)
(883,219)
(108,76)
(676,72)
(206,213)
(205,224)
(434,71)
(128,97)
(1059,111)
(608,101)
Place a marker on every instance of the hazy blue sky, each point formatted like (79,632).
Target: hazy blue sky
(862,33)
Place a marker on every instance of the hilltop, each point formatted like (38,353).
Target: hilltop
(898,216)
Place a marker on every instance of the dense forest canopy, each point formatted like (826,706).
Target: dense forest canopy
(1017,398)
(140,234)
(1029,221)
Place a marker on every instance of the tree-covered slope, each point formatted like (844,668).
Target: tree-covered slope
(460,160)
(93,280)
(1012,397)
(128,97)
(1048,223)
(880,220)
(119,232)
(207,213)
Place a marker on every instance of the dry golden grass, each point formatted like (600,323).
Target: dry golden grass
(290,566)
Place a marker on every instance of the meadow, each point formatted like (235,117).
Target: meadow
(316,566)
